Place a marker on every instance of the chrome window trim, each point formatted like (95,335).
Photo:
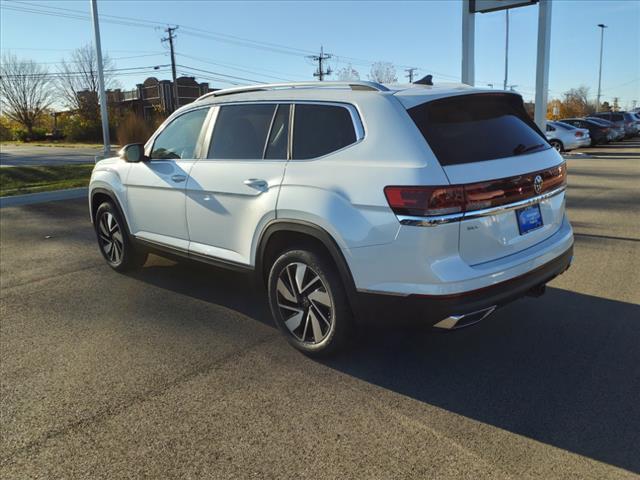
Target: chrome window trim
(432,221)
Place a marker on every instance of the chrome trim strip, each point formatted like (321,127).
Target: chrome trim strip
(432,221)
(429,221)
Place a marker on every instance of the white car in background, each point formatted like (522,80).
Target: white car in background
(564,137)
(349,201)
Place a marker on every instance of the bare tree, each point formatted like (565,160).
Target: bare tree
(78,81)
(383,72)
(576,101)
(25,90)
(347,73)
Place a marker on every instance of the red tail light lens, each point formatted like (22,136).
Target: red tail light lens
(444,200)
(425,201)
(579,134)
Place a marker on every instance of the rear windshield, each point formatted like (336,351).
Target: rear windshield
(478,127)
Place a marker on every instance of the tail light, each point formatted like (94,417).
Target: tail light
(451,199)
(425,201)
(579,134)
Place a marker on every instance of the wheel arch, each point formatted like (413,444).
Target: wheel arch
(100,195)
(279,234)
(557,140)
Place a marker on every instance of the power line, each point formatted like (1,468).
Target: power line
(75,74)
(240,68)
(221,74)
(410,71)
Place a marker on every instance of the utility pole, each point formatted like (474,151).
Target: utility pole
(169,38)
(506,50)
(101,93)
(409,74)
(320,72)
(602,27)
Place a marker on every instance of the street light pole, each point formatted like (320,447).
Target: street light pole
(602,27)
(506,50)
(101,93)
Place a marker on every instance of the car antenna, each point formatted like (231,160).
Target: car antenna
(426,80)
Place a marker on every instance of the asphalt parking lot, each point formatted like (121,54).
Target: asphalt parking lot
(177,372)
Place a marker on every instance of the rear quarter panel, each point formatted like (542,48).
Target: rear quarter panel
(343,192)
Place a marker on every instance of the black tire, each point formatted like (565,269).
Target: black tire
(323,329)
(111,229)
(557,144)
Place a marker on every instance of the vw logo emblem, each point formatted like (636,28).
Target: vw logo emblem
(537,184)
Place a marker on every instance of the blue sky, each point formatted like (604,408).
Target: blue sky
(213,36)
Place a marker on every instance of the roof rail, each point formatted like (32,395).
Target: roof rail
(355,85)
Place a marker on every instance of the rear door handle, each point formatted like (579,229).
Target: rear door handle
(257,183)
(179,178)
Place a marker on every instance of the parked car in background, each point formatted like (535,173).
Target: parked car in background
(616,132)
(636,116)
(598,132)
(564,137)
(622,119)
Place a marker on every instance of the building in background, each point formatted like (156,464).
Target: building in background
(151,99)
(156,97)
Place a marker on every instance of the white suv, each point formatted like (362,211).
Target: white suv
(444,201)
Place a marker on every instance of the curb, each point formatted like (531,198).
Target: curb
(42,197)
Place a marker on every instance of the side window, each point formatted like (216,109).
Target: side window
(277,145)
(241,131)
(321,129)
(179,138)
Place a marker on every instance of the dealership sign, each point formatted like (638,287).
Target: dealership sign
(484,6)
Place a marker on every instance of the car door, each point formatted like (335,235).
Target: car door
(156,187)
(232,193)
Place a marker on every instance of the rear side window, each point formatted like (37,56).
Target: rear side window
(321,129)
(617,117)
(179,138)
(241,131)
(474,128)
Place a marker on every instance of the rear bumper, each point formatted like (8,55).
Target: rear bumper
(433,308)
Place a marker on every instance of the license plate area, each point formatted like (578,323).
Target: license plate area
(529,218)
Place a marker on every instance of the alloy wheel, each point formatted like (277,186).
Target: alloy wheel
(110,236)
(305,303)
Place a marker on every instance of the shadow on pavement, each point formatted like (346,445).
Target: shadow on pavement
(563,370)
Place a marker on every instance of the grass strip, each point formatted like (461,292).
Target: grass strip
(34,179)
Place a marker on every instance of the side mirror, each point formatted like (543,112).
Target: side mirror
(133,152)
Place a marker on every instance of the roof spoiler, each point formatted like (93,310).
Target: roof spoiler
(426,80)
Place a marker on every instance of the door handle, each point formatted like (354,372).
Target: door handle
(257,183)
(178,178)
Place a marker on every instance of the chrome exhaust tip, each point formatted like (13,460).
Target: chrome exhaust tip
(459,321)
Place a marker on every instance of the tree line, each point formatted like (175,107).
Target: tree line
(28,92)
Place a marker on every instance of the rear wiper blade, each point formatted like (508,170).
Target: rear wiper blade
(520,149)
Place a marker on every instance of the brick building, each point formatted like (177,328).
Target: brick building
(153,96)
